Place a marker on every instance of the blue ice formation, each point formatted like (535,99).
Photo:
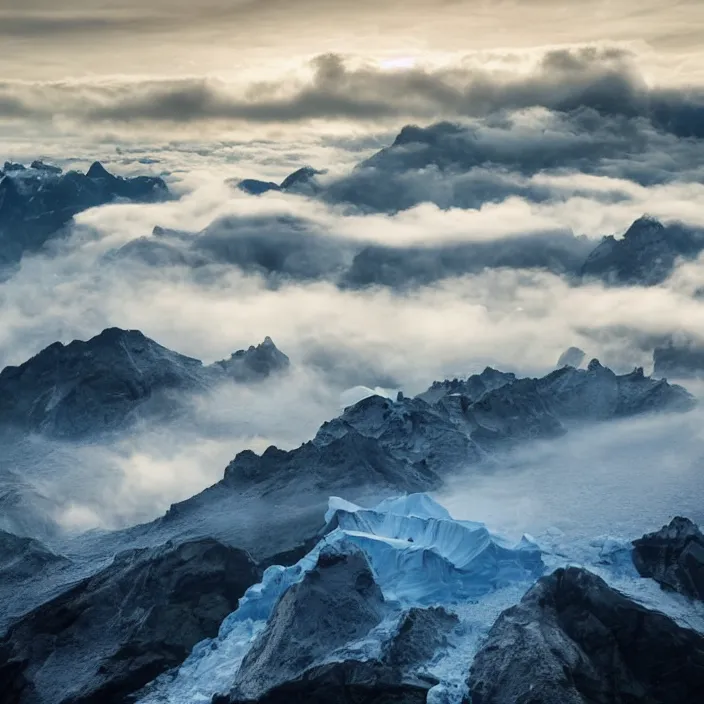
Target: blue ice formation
(419,555)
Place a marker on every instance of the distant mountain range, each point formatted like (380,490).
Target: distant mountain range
(36,202)
(445,164)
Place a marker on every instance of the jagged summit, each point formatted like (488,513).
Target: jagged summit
(256,361)
(303,181)
(91,386)
(97,170)
(473,387)
(37,202)
(646,254)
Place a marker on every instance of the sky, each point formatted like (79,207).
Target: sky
(89,38)
(264,68)
(575,118)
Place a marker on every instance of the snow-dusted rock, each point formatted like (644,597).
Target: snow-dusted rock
(674,557)
(37,202)
(574,640)
(110,634)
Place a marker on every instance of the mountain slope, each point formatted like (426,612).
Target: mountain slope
(35,203)
(83,388)
(271,503)
(125,625)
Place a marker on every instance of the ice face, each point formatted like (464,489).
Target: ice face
(419,556)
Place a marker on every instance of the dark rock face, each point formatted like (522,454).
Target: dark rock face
(674,557)
(574,640)
(645,256)
(75,390)
(124,625)
(36,203)
(303,181)
(340,683)
(336,604)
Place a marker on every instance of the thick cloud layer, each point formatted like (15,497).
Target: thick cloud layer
(605,80)
(457,246)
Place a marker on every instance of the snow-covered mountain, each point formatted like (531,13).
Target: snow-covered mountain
(36,202)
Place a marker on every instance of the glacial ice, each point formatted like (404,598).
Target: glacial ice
(419,555)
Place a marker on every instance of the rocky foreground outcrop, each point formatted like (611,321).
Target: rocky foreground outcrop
(673,557)
(336,605)
(124,625)
(574,640)
(83,388)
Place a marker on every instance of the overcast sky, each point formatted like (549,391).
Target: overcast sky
(45,39)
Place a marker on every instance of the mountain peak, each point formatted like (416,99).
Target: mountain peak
(645,227)
(97,170)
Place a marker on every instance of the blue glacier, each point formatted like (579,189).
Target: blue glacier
(419,555)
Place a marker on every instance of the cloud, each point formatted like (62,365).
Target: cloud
(602,79)
(584,485)
(285,249)
(431,291)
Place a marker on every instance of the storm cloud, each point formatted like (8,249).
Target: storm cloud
(602,79)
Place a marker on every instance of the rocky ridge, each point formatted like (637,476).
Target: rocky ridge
(37,202)
(575,640)
(126,624)
(83,388)
(674,557)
